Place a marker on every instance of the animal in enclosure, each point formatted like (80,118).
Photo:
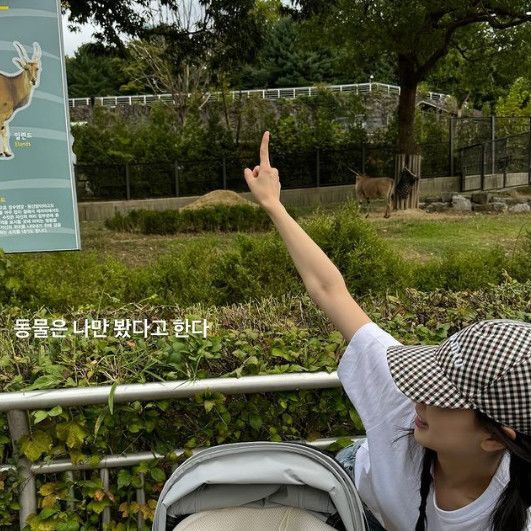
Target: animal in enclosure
(16,91)
(368,188)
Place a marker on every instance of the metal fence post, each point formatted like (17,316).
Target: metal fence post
(462,171)
(127,182)
(317,168)
(451,146)
(176,175)
(483,160)
(224,170)
(18,427)
(106,515)
(493,143)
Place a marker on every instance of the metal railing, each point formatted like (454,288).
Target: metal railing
(268,94)
(16,404)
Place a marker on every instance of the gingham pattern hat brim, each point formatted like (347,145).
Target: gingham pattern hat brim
(418,376)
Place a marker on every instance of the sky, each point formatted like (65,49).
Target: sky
(74,40)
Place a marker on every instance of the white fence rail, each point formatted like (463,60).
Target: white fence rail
(16,404)
(268,94)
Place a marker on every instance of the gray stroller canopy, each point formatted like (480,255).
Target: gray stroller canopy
(259,486)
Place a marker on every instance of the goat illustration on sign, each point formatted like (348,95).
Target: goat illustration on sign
(16,91)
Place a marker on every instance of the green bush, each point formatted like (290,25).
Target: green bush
(460,270)
(224,218)
(232,268)
(366,261)
(183,275)
(270,336)
(66,279)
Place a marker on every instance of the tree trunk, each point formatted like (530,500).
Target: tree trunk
(406,107)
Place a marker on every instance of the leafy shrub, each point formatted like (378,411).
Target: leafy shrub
(272,336)
(460,270)
(224,218)
(243,267)
(66,279)
(366,261)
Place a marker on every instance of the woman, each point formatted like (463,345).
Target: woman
(464,462)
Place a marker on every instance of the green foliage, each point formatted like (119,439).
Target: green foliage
(272,336)
(93,71)
(461,270)
(224,218)
(484,66)
(64,279)
(206,135)
(519,260)
(518,100)
(245,267)
(365,260)
(285,61)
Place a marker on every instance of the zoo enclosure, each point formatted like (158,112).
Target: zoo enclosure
(17,404)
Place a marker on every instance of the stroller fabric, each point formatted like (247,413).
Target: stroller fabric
(281,518)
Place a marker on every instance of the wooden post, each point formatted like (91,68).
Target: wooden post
(412,162)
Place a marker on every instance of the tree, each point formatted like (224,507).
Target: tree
(518,100)
(94,72)
(285,61)
(226,32)
(417,33)
(151,64)
(481,68)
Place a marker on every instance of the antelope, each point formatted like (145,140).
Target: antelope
(373,188)
(16,91)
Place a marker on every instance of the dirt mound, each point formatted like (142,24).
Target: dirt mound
(218,197)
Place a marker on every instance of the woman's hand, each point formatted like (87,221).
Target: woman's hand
(263,180)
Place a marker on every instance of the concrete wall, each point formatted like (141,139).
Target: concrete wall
(493,181)
(328,195)
(435,185)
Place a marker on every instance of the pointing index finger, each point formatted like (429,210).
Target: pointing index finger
(264,150)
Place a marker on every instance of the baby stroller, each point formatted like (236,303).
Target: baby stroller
(259,486)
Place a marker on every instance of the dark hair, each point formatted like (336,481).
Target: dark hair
(512,506)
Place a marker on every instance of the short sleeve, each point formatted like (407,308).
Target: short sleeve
(365,376)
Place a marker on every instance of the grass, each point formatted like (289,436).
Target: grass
(138,249)
(416,235)
(423,239)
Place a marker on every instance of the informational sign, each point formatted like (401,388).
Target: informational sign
(38,204)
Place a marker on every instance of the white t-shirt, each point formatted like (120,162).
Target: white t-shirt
(387,474)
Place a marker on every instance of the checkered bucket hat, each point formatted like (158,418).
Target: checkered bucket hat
(485,366)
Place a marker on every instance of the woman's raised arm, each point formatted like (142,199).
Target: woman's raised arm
(322,279)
